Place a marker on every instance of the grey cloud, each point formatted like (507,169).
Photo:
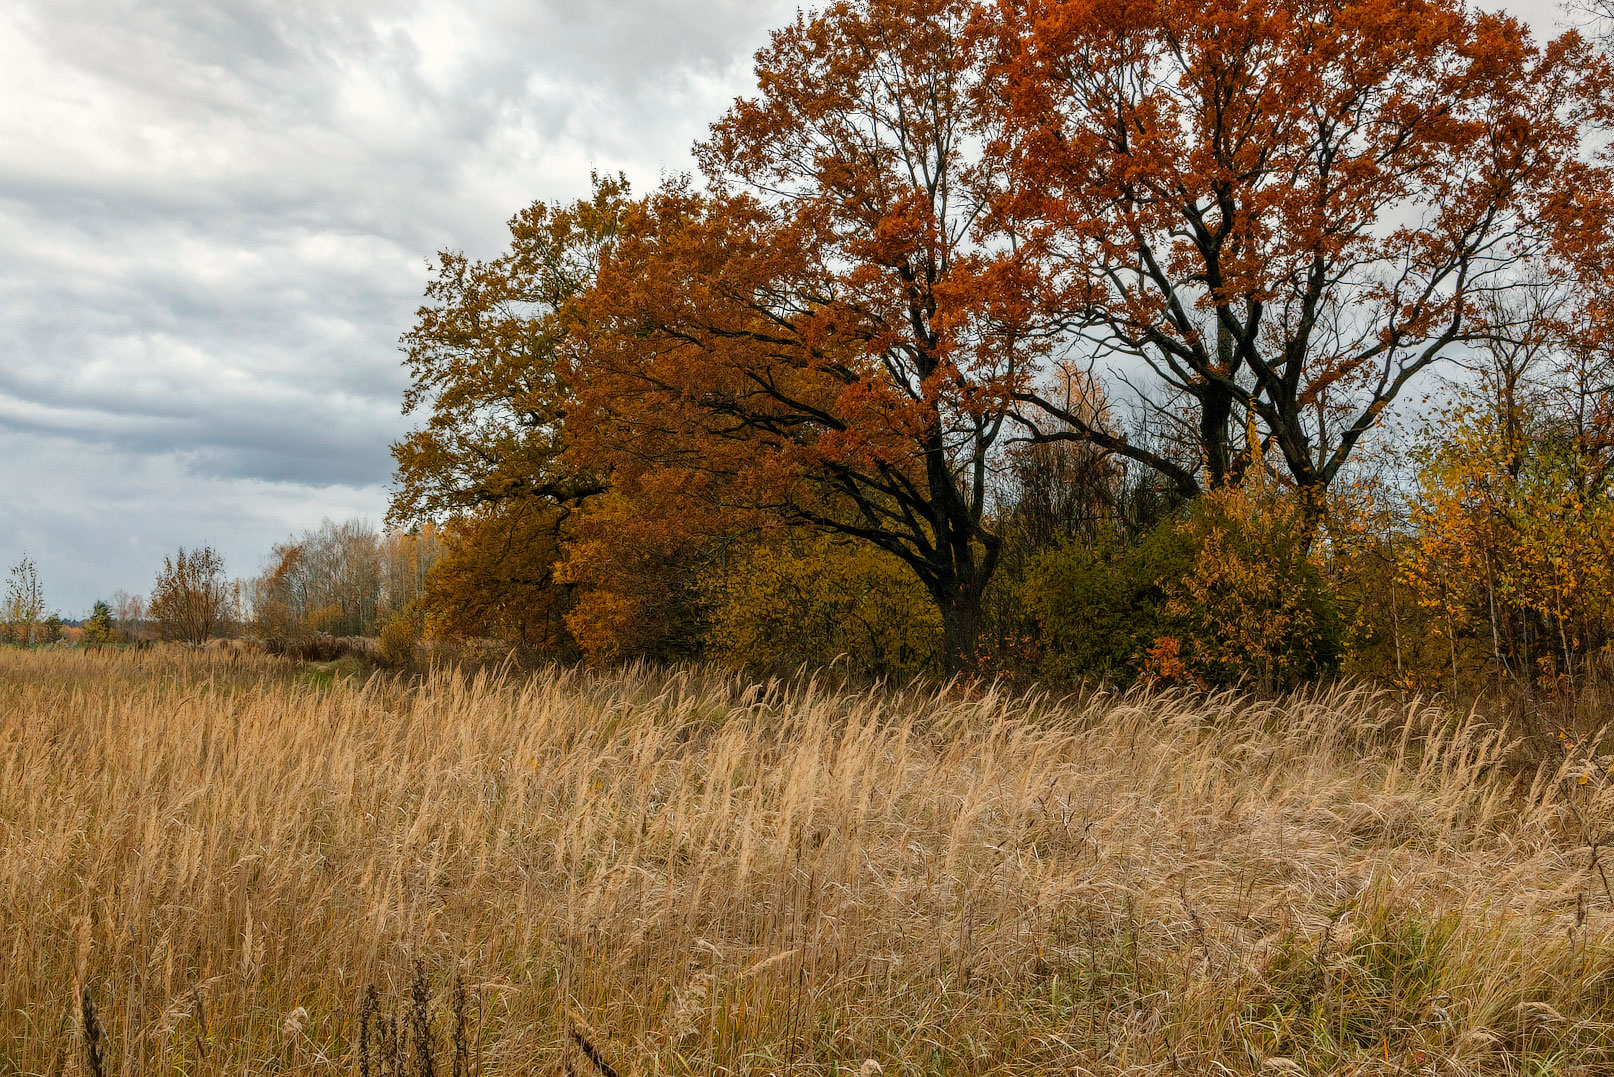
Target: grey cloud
(215,217)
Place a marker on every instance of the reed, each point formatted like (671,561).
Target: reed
(256,870)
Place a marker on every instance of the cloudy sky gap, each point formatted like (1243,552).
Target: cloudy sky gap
(215,217)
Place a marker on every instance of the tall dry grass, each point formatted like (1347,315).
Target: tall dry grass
(691,874)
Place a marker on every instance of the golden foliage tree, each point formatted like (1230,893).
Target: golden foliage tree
(496,579)
(1513,547)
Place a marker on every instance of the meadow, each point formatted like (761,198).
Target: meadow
(249,866)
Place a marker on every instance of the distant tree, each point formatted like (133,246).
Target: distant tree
(98,628)
(24,608)
(340,578)
(191,601)
(129,616)
(407,558)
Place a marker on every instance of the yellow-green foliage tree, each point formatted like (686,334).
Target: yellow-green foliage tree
(821,602)
(1513,548)
(1512,518)
(98,628)
(1389,635)
(22,617)
(488,460)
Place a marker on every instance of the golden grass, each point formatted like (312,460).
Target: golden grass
(721,878)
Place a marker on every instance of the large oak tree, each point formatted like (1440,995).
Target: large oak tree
(829,333)
(1286,209)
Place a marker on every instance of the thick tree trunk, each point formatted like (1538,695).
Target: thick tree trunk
(1222,462)
(961,626)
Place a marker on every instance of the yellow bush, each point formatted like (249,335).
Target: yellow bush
(818,602)
(397,641)
(1253,607)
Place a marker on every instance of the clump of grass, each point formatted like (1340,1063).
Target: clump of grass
(400,1041)
(679,872)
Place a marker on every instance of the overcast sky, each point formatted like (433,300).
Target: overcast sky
(215,217)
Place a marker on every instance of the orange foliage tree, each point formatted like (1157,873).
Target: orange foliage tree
(1285,209)
(482,364)
(828,335)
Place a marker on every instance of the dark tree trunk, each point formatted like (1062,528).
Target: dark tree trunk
(1222,462)
(960,607)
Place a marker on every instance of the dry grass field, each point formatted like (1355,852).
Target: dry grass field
(646,873)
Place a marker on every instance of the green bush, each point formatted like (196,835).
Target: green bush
(1101,608)
(1224,594)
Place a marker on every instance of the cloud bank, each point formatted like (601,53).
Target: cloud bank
(215,217)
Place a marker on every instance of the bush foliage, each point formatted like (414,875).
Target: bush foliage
(1225,593)
(821,603)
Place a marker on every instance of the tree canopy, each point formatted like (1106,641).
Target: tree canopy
(943,230)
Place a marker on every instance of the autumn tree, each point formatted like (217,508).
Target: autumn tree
(23,614)
(933,219)
(483,367)
(192,601)
(407,558)
(1512,544)
(1284,210)
(828,336)
(495,577)
(129,616)
(824,602)
(487,462)
(98,627)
